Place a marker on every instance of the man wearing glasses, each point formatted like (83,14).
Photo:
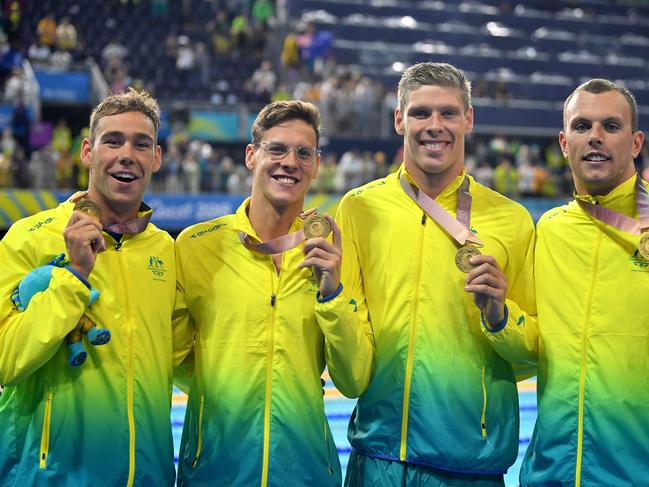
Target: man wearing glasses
(260,296)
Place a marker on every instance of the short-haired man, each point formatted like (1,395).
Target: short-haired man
(106,422)
(442,405)
(269,312)
(592,283)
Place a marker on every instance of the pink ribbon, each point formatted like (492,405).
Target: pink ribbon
(458,229)
(618,220)
(279,244)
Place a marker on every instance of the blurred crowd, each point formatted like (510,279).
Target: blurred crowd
(353,106)
(512,166)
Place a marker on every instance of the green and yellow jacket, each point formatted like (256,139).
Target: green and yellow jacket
(593,349)
(255,414)
(107,422)
(440,396)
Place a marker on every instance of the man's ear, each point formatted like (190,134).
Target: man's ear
(398,121)
(86,152)
(563,144)
(250,157)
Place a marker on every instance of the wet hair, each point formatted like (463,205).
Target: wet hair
(433,74)
(599,85)
(131,101)
(279,112)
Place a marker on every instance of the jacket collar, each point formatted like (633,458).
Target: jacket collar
(621,199)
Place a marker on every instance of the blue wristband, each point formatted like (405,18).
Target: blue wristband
(500,325)
(79,276)
(331,296)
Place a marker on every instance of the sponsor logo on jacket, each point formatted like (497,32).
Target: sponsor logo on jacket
(639,262)
(40,224)
(156,266)
(205,232)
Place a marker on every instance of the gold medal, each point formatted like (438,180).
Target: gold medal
(463,255)
(316,226)
(88,207)
(643,245)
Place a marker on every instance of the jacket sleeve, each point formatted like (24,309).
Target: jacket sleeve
(344,320)
(30,338)
(183,332)
(516,339)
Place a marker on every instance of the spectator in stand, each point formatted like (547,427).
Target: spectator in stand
(264,81)
(262,12)
(60,60)
(42,167)
(506,177)
(6,181)
(186,55)
(66,36)
(39,53)
(10,58)
(350,171)
(8,143)
(46,30)
(114,51)
(240,36)
(20,126)
(20,168)
(18,88)
(62,136)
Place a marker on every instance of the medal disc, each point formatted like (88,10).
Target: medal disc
(463,255)
(643,245)
(89,207)
(316,226)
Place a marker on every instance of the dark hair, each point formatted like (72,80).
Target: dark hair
(282,111)
(599,85)
(435,74)
(131,101)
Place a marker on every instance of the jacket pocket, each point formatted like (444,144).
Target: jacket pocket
(483,418)
(45,435)
(199,432)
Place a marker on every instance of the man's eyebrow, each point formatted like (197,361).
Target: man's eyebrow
(613,118)
(121,135)
(578,120)
(114,133)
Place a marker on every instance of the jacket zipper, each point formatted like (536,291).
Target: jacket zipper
(45,437)
(582,372)
(483,418)
(411,350)
(269,374)
(129,373)
(199,432)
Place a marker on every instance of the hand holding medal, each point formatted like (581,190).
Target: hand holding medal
(489,286)
(83,238)
(324,257)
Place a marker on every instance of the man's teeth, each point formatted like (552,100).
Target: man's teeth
(435,145)
(287,180)
(596,158)
(124,176)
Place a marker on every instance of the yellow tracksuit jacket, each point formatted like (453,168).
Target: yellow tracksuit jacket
(255,414)
(106,423)
(440,396)
(593,349)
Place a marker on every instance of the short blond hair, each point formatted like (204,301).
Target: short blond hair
(131,101)
(282,111)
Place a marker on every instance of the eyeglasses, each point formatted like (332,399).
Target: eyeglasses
(278,151)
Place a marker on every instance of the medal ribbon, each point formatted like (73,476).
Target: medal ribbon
(458,229)
(130,227)
(279,244)
(619,221)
